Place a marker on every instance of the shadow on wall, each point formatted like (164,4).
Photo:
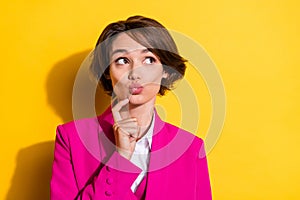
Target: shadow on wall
(59,87)
(33,172)
(31,179)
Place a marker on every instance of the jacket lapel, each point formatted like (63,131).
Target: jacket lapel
(155,175)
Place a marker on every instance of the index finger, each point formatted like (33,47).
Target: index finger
(116,109)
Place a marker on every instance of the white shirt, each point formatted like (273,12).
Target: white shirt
(140,156)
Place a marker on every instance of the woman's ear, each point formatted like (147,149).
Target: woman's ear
(165,74)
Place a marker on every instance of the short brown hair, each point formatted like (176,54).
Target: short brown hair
(149,33)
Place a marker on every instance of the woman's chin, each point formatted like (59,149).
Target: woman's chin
(136,100)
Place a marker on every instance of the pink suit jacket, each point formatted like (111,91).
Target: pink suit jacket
(86,165)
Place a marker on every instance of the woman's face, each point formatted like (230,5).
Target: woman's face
(135,72)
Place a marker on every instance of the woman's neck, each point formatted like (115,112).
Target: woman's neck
(143,113)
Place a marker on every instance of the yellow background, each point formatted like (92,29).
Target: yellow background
(254,43)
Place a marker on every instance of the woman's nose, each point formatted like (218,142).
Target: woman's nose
(133,75)
(134,72)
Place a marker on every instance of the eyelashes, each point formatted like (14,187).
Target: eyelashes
(149,60)
(124,60)
(121,61)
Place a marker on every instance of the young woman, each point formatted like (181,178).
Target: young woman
(128,152)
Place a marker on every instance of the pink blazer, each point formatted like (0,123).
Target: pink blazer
(86,165)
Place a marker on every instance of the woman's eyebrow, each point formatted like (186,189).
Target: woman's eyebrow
(119,51)
(145,51)
(126,51)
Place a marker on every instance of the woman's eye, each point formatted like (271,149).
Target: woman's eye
(149,60)
(121,61)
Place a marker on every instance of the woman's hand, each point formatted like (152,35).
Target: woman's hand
(126,131)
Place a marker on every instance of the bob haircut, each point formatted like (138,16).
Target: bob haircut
(149,33)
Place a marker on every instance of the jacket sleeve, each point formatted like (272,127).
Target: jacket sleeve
(106,182)
(203,181)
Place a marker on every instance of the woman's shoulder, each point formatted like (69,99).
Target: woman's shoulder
(73,125)
(182,138)
(88,124)
(174,130)
(79,129)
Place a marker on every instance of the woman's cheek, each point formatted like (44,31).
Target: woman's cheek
(154,78)
(156,74)
(120,89)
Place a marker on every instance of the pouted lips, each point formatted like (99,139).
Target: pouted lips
(135,88)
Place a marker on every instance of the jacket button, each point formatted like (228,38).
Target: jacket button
(108,193)
(109,181)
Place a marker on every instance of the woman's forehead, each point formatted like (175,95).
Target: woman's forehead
(123,42)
